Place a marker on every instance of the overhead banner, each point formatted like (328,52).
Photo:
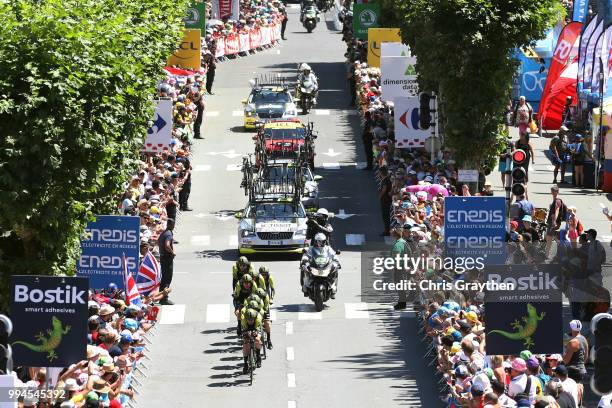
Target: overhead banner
(159,135)
(103,245)
(476,225)
(226,10)
(49,314)
(394,49)
(398,77)
(563,56)
(408,133)
(196,15)
(528,316)
(188,53)
(377,36)
(365,16)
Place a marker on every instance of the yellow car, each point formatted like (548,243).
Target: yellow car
(268,102)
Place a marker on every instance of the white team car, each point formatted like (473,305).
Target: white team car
(275,225)
(268,102)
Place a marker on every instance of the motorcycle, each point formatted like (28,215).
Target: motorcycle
(307,95)
(311,18)
(325,5)
(319,277)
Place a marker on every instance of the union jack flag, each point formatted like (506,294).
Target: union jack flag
(132,296)
(149,274)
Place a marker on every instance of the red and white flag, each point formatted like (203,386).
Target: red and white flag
(132,295)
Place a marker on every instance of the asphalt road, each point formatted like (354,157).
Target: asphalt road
(352,354)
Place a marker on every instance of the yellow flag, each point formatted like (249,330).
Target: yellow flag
(187,56)
(376,36)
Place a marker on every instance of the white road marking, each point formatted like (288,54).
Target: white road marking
(306,312)
(172,314)
(212,113)
(273,315)
(237,113)
(277,52)
(290,354)
(202,167)
(200,240)
(606,238)
(288,328)
(219,313)
(220,272)
(291,380)
(343,215)
(322,112)
(355,239)
(331,153)
(233,241)
(231,154)
(200,215)
(234,167)
(331,166)
(356,311)
(181,272)
(361,165)
(291,404)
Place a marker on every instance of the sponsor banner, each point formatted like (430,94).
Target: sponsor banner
(265,36)
(226,9)
(365,16)
(394,49)
(103,245)
(590,54)
(408,133)
(527,317)
(245,42)
(377,36)
(531,80)
(600,49)
(255,38)
(562,57)
(50,320)
(196,15)
(398,77)
(467,176)
(581,10)
(232,44)
(475,226)
(188,54)
(159,134)
(584,41)
(220,50)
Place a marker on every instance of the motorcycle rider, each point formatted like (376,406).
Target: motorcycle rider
(306,74)
(305,4)
(319,223)
(241,267)
(244,288)
(250,324)
(319,248)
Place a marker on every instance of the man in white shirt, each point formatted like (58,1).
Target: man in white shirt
(519,381)
(569,385)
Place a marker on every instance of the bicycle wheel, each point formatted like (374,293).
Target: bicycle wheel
(252,361)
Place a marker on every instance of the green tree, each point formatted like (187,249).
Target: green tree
(464,51)
(77,80)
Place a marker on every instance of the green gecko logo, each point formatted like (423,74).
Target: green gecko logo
(410,70)
(525,332)
(48,345)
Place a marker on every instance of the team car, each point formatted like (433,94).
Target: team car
(267,101)
(274,219)
(285,139)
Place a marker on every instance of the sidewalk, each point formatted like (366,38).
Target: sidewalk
(587,201)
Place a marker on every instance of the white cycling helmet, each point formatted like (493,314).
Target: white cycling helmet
(322,211)
(319,240)
(306,67)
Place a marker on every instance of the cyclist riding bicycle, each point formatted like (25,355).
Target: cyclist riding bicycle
(266,315)
(250,325)
(244,288)
(257,278)
(265,272)
(241,267)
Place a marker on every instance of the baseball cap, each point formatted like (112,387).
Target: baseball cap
(461,371)
(575,325)
(561,369)
(519,365)
(525,354)
(533,362)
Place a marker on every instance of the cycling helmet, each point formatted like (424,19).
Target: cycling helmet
(319,240)
(247,279)
(254,297)
(255,274)
(251,314)
(112,287)
(305,67)
(243,261)
(262,293)
(264,270)
(253,304)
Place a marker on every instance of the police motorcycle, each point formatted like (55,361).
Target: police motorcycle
(311,17)
(319,272)
(308,92)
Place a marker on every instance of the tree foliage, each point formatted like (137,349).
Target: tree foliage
(464,53)
(77,79)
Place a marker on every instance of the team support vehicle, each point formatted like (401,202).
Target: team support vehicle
(269,99)
(274,219)
(285,139)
